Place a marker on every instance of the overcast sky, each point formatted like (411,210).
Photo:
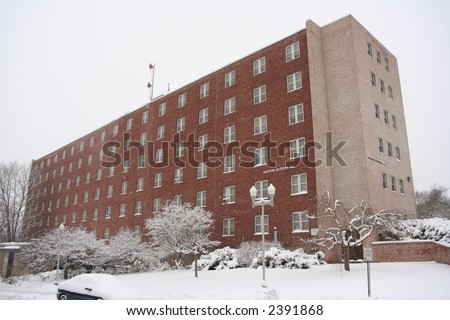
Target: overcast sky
(70,67)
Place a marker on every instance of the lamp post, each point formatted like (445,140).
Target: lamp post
(60,230)
(261,202)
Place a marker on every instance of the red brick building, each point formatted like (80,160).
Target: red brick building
(260,120)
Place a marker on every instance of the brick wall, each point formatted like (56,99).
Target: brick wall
(391,251)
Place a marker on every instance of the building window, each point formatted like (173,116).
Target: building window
(97,193)
(178,176)
(203,116)
(156,205)
(386,64)
(299,184)
(203,142)
(204,90)
(137,230)
(202,170)
(88,177)
(86,196)
(296,114)
(402,186)
(122,210)
(369,49)
(393,184)
(229,106)
(228,227)
(106,234)
(382,86)
(229,164)
(181,124)
(95,214)
(161,131)
(84,216)
(179,149)
(261,188)
(259,226)
(103,136)
(144,117)
(111,171)
(138,208)
(300,221)
(373,79)
(229,195)
(386,117)
(384,180)
(391,94)
(380,145)
(143,138)
(201,199)
(159,155)
(377,111)
(294,81)
(91,143)
(124,187)
(259,66)
(182,100)
(260,156)
(81,150)
(140,184)
(141,161)
(390,152)
(260,125)
(297,148)
(162,109)
(229,134)
(74,217)
(108,212)
(378,57)
(230,79)
(110,191)
(397,153)
(158,180)
(177,200)
(292,51)
(126,166)
(259,94)
(394,122)
(129,124)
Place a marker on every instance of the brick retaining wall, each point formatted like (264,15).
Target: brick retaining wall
(398,251)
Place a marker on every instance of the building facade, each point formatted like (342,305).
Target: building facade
(318,111)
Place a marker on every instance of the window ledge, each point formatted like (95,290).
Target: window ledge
(300,231)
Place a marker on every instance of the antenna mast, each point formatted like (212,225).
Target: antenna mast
(152,79)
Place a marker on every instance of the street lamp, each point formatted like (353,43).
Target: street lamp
(60,230)
(261,202)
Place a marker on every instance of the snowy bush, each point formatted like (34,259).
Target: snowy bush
(282,258)
(436,229)
(247,251)
(224,258)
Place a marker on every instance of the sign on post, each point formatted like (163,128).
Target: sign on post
(368,257)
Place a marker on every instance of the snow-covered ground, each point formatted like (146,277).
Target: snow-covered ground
(389,281)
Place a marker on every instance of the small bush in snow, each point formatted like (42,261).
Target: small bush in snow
(282,258)
(247,251)
(224,258)
(436,229)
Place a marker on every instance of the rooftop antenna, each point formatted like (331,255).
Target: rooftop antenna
(152,79)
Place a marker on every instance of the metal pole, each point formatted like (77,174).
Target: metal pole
(368,280)
(263,249)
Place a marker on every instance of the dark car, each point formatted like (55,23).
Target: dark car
(95,286)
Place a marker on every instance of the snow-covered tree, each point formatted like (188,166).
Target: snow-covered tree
(350,227)
(16,192)
(126,251)
(433,203)
(181,229)
(73,247)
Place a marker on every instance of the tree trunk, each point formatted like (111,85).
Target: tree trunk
(195,266)
(346,258)
(9,266)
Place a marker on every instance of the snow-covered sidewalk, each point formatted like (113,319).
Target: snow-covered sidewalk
(399,281)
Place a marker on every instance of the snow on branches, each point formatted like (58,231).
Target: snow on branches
(181,229)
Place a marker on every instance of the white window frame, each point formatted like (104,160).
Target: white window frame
(159,155)
(161,132)
(300,222)
(296,114)
(203,115)
(178,175)
(260,125)
(261,189)
(260,156)
(156,205)
(139,205)
(177,199)
(259,94)
(258,224)
(182,99)
(384,181)
(259,66)
(299,184)
(202,170)
(229,194)
(204,90)
(228,227)
(129,124)
(181,124)
(229,164)
(110,191)
(294,81)
(201,198)
(229,134)
(122,210)
(157,183)
(203,142)
(162,109)
(229,106)
(144,117)
(297,148)
(230,79)
(140,184)
(292,51)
